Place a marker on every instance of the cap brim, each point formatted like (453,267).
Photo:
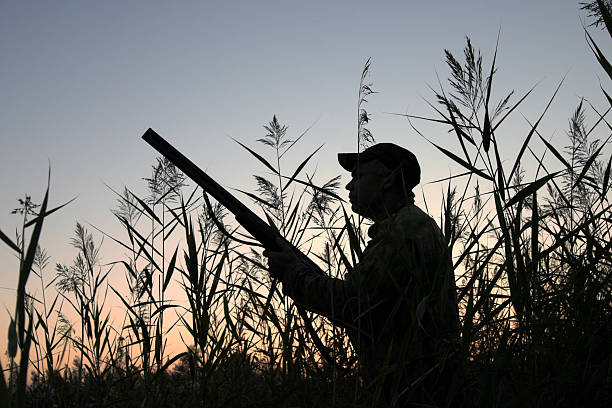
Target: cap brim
(347,160)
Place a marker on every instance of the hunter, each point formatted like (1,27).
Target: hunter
(398,303)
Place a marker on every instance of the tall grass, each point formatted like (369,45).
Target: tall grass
(531,258)
(532,252)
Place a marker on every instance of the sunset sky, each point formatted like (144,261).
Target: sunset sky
(81,81)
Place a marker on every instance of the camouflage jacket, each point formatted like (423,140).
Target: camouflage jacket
(398,303)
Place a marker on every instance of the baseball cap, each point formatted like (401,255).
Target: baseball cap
(389,154)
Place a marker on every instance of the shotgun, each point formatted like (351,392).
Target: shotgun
(258,228)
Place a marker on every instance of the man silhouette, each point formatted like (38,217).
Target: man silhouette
(398,303)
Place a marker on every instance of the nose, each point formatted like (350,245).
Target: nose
(349,186)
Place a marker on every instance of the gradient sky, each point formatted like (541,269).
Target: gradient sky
(81,81)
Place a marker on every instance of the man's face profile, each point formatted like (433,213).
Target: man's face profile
(368,183)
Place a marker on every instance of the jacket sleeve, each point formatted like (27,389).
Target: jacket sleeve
(333,298)
(394,282)
(375,282)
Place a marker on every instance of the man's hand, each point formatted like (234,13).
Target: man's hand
(282,260)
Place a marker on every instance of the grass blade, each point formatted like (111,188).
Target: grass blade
(499,122)
(556,153)
(300,167)
(535,219)
(531,132)
(23,364)
(258,157)
(487,131)
(258,199)
(530,189)
(317,188)
(9,242)
(606,179)
(462,162)
(26,267)
(170,270)
(146,208)
(34,220)
(4,394)
(605,64)
(605,14)
(590,161)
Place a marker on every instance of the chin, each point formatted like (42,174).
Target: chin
(357,210)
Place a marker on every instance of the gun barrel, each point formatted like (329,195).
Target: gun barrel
(260,230)
(193,172)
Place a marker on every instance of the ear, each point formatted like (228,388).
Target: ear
(393,180)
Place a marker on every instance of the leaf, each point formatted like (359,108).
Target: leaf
(146,208)
(484,264)
(605,14)
(228,319)
(271,222)
(463,162)
(535,219)
(191,255)
(300,167)
(261,159)
(26,267)
(556,153)
(590,161)
(298,139)
(341,254)
(486,131)
(34,220)
(220,225)
(460,133)
(467,173)
(4,394)
(170,362)
(606,178)
(143,242)
(216,278)
(160,309)
(501,186)
(607,96)
(12,340)
(559,241)
(599,55)
(9,242)
(443,121)
(530,189)
(319,189)
(23,364)
(257,199)
(499,122)
(170,270)
(531,132)
(447,217)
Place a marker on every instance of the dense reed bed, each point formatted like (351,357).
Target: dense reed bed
(532,257)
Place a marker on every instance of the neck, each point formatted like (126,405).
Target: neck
(390,205)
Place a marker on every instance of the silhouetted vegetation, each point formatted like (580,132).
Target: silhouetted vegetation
(531,252)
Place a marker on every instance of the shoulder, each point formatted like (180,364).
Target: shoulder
(412,228)
(415,223)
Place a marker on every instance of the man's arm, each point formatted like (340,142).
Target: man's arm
(333,298)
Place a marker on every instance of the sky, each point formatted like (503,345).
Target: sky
(80,81)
